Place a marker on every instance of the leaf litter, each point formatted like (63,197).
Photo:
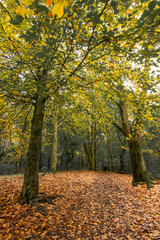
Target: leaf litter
(77,205)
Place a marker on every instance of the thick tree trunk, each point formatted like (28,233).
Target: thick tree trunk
(157,147)
(54,148)
(139,171)
(31,180)
(89,149)
(89,158)
(92,164)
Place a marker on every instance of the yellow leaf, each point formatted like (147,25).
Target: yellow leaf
(27,2)
(102,17)
(76,26)
(7,18)
(29,12)
(21,11)
(110,17)
(65,3)
(58,9)
(11,4)
(86,26)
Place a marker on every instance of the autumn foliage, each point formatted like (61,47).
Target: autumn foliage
(80,205)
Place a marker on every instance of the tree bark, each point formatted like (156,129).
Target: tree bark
(157,147)
(92,146)
(54,148)
(121,159)
(31,180)
(82,158)
(110,155)
(88,156)
(139,171)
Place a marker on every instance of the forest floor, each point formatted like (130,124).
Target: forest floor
(77,205)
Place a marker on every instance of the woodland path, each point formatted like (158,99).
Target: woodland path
(79,205)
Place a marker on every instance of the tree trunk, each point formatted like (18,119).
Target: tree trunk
(92,164)
(88,156)
(111,154)
(95,155)
(157,147)
(31,180)
(92,146)
(54,148)
(82,158)
(139,171)
(121,159)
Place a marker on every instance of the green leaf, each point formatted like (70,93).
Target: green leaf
(114,4)
(42,8)
(104,1)
(111,33)
(17,20)
(145,14)
(91,2)
(152,5)
(116,11)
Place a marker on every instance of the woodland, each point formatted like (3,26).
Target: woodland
(80,91)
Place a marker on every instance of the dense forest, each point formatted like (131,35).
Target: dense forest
(79,87)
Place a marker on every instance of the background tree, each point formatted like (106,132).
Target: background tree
(133,90)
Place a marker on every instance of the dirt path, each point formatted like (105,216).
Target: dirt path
(81,205)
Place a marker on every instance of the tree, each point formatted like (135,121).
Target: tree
(139,171)
(135,91)
(40,48)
